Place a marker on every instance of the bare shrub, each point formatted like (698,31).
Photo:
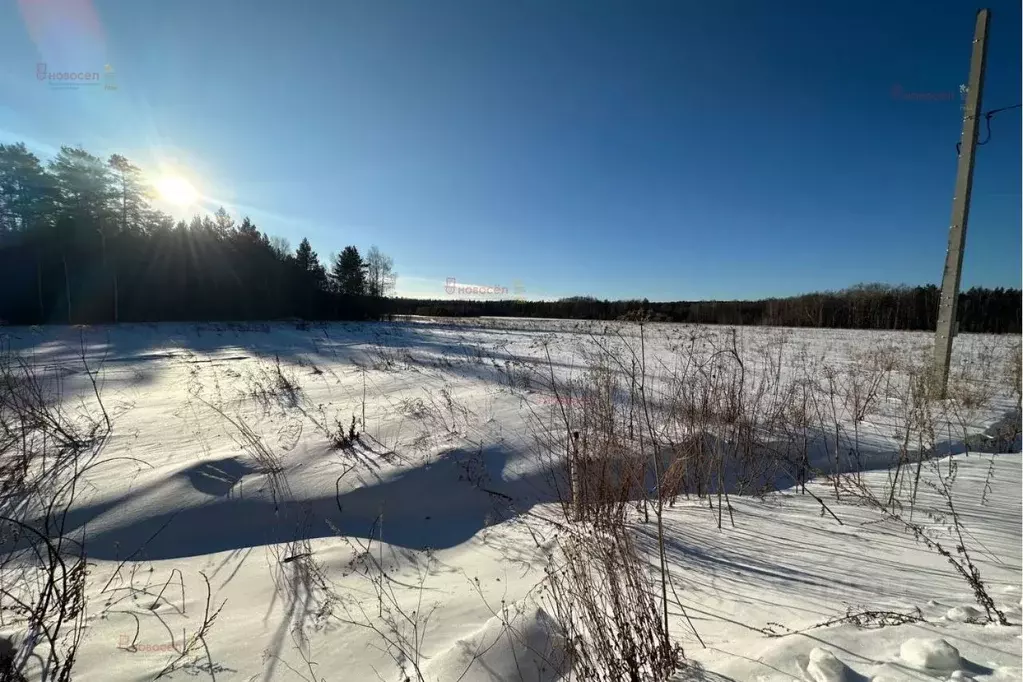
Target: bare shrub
(341,438)
(975,383)
(269,461)
(400,626)
(599,444)
(274,385)
(601,596)
(958,556)
(869,378)
(191,646)
(44,453)
(1013,376)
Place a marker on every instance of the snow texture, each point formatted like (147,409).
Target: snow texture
(443,501)
(935,654)
(822,666)
(965,614)
(524,646)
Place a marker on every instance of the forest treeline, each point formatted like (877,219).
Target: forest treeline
(81,243)
(868,306)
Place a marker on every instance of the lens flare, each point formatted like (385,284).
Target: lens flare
(174,189)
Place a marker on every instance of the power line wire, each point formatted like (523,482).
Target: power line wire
(987,124)
(987,120)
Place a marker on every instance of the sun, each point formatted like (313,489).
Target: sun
(174,189)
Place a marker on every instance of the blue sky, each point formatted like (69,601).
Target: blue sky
(660,149)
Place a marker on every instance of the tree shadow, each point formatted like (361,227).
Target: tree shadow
(217,477)
(435,505)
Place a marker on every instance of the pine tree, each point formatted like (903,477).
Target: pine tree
(26,191)
(305,256)
(128,199)
(349,272)
(130,196)
(223,222)
(84,196)
(27,202)
(308,263)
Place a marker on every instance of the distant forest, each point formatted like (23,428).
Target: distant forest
(80,243)
(867,306)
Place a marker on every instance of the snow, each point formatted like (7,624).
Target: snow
(824,667)
(936,654)
(525,645)
(964,614)
(443,503)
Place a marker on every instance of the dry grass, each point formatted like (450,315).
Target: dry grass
(717,419)
(45,451)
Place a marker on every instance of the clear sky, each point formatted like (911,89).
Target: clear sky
(664,149)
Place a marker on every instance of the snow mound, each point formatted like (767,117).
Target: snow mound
(964,614)
(935,654)
(529,645)
(959,676)
(824,667)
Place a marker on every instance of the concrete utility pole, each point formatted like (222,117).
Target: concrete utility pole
(960,209)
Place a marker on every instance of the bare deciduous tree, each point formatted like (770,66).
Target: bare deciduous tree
(380,275)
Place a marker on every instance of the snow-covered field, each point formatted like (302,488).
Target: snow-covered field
(220,489)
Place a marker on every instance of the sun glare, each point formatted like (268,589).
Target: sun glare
(176,190)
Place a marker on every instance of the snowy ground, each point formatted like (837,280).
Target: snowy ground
(445,492)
